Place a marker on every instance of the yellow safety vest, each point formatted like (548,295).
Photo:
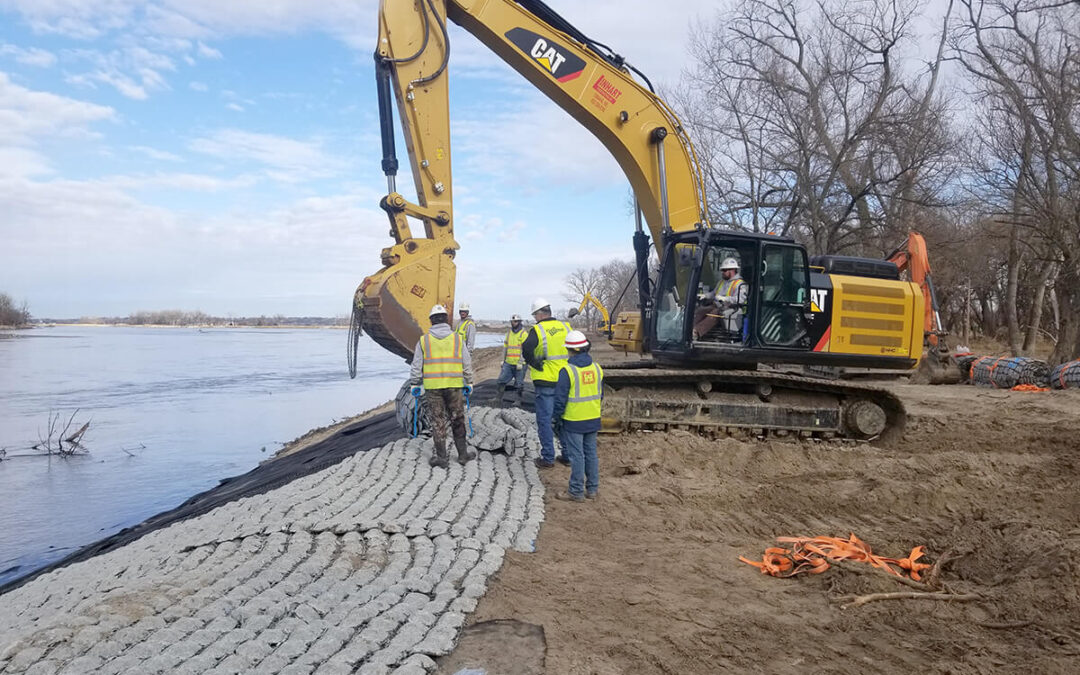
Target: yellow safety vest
(728,287)
(443,364)
(585,386)
(551,347)
(513,346)
(463,328)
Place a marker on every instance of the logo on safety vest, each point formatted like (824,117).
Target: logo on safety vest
(588,377)
(557,60)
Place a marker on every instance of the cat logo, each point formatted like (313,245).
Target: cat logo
(817,299)
(562,64)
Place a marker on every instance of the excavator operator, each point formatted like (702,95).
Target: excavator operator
(727,304)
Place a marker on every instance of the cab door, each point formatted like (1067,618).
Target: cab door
(783,297)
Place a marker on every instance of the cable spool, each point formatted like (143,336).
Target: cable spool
(1066,376)
(1007,372)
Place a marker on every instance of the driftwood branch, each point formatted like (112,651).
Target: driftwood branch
(857,600)
(866,569)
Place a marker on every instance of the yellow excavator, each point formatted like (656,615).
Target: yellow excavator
(734,377)
(605,319)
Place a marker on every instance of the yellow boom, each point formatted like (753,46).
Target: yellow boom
(594,87)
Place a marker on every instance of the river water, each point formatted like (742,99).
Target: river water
(172,411)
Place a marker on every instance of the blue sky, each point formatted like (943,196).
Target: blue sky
(224,156)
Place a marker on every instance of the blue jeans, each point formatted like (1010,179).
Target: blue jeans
(545,411)
(584,464)
(509,373)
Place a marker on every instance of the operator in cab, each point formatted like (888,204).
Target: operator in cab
(513,367)
(545,352)
(442,364)
(466,326)
(727,304)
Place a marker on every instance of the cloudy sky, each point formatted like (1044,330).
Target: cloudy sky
(224,156)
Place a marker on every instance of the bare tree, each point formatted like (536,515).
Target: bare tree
(812,125)
(1023,61)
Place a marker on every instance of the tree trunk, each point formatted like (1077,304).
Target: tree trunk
(1012,320)
(1035,315)
(1068,343)
(966,335)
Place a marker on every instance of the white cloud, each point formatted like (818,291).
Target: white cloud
(286,159)
(187,182)
(132,71)
(534,146)
(27,114)
(18,162)
(235,107)
(197,86)
(208,52)
(154,153)
(31,56)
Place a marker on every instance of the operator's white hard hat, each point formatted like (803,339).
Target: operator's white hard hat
(516,317)
(437,309)
(539,304)
(463,307)
(729,264)
(575,339)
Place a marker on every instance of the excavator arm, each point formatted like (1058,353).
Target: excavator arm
(912,257)
(581,76)
(605,327)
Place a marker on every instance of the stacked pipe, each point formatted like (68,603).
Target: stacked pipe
(1007,372)
(1066,376)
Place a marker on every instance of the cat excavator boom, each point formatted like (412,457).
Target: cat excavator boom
(715,366)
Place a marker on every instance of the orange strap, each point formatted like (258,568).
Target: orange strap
(1030,387)
(812,555)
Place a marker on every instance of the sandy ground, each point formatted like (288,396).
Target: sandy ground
(647,579)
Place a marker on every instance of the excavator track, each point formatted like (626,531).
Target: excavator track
(755,402)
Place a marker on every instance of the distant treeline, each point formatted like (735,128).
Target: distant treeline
(177,317)
(12,314)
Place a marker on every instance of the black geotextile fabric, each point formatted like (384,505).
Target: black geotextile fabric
(361,436)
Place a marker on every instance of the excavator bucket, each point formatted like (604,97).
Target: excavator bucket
(393,304)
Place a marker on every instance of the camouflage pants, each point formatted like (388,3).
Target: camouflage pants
(446,407)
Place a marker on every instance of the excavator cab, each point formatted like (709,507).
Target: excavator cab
(775,313)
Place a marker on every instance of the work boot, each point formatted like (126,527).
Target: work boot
(595,494)
(464,454)
(499,391)
(567,497)
(564,460)
(439,459)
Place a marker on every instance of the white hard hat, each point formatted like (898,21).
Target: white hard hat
(516,317)
(539,304)
(729,264)
(463,307)
(437,309)
(575,339)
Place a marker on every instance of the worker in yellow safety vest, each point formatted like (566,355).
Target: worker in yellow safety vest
(466,326)
(727,304)
(578,403)
(513,366)
(442,364)
(545,354)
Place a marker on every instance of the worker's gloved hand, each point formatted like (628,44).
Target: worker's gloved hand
(468,390)
(724,300)
(558,426)
(415,391)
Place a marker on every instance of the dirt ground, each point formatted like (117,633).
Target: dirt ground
(647,579)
